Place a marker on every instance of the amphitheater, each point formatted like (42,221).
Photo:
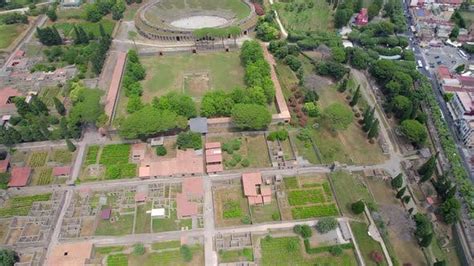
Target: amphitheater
(177,20)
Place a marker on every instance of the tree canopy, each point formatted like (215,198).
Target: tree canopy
(251,116)
(414,131)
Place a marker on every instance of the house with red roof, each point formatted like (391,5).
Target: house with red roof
(61,171)
(6,97)
(184,207)
(4,165)
(362,17)
(213,152)
(19,177)
(254,190)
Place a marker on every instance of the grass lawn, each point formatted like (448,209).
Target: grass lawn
(168,257)
(122,225)
(63,156)
(67,26)
(468,16)
(253,148)
(238,8)
(275,252)
(143,222)
(168,73)
(304,149)
(170,224)
(349,189)
(298,16)
(8,33)
(266,213)
(236,255)
(222,198)
(166,245)
(366,243)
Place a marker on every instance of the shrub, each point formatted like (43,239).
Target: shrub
(336,251)
(276,216)
(280,135)
(138,249)
(161,150)
(246,220)
(358,207)
(186,253)
(326,224)
(245,162)
(187,140)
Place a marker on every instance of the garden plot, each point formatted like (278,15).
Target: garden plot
(241,151)
(307,198)
(108,162)
(42,163)
(350,188)
(231,205)
(265,213)
(291,251)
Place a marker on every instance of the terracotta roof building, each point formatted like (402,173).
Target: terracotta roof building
(255,192)
(70,254)
(19,177)
(61,171)
(105,214)
(184,207)
(6,96)
(214,158)
(4,164)
(188,162)
(362,18)
(193,187)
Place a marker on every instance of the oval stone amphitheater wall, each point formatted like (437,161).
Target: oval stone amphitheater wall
(181,26)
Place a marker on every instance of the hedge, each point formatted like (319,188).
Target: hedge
(310,250)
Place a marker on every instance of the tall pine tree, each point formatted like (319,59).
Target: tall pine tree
(374,130)
(426,171)
(356,97)
(368,120)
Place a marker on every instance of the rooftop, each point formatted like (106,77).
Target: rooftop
(193,186)
(198,124)
(4,165)
(250,181)
(19,176)
(184,207)
(5,95)
(185,162)
(62,171)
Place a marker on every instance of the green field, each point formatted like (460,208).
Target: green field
(168,257)
(468,16)
(20,206)
(62,156)
(298,15)
(8,33)
(114,158)
(275,251)
(38,159)
(366,243)
(121,226)
(167,73)
(67,28)
(349,189)
(236,255)
(167,8)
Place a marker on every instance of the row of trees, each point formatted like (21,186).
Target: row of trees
(267,28)
(49,36)
(95,11)
(134,73)
(14,18)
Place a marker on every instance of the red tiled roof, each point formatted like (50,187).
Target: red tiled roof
(212,145)
(267,199)
(250,180)
(186,162)
(62,171)
(6,93)
(213,151)
(363,17)
(255,200)
(443,72)
(193,186)
(105,214)
(467,81)
(185,208)
(19,53)
(216,158)
(266,191)
(4,165)
(214,168)
(19,177)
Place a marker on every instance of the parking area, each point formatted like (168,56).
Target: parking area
(446,55)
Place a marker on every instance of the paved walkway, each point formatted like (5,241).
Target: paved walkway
(277,17)
(375,234)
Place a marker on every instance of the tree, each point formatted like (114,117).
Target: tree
(336,250)
(118,9)
(49,36)
(401,192)
(86,107)
(450,209)
(179,103)
(368,119)
(338,54)
(161,150)
(266,31)
(406,199)
(427,169)
(59,106)
(186,253)
(338,115)
(51,13)
(342,86)
(358,207)
(134,104)
(374,130)
(326,224)
(70,146)
(189,140)
(424,229)
(377,257)
(402,107)
(355,97)
(454,33)
(146,122)
(311,109)
(440,263)
(414,131)
(7,257)
(397,181)
(216,103)
(303,230)
(251,116)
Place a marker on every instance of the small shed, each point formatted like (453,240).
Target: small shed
(19,176)
(158,213)
(61,171)
(198,125)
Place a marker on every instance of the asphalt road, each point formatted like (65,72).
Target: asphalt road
(439,97)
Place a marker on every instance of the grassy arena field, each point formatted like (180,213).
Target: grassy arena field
(193,74)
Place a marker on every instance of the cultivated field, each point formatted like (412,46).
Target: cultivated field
(231,207)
